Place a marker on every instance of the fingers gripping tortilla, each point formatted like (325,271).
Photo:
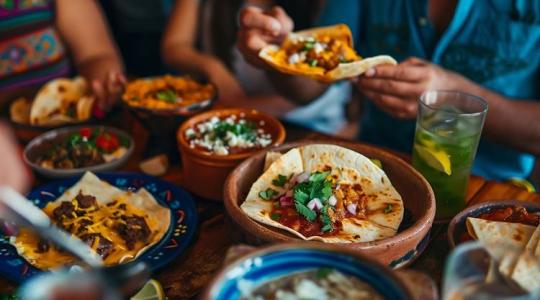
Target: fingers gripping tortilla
(119,225)
(327,193)
(325,54)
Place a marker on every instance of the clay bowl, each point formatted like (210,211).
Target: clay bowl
(204,173)
(280,260)
(457,227)
(397,251)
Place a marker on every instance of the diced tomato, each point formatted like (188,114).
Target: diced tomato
(107,142)
(85,132)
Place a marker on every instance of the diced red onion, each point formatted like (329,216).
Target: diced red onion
(332,200)
(315,204)
(286,201)
(302,177)
(352,208)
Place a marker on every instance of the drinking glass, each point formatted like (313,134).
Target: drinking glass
(468,275)
(448,129)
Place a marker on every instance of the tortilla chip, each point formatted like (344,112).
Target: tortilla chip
(276,57)
(527,272)
(349,167)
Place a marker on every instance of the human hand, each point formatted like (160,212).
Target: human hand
(259,28)
(13,172)
(395,89)
(107,91)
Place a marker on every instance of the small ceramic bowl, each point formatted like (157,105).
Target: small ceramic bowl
(42,143)
(397,251)
(277,261)
(204,174)
(457,227)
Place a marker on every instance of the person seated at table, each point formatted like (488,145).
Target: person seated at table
(200,39)
(42,40)
(485,48)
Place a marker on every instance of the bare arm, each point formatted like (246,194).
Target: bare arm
(179,52)
(259,28)
(83,28)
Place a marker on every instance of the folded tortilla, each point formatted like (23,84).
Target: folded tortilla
(157,217)
(276,56)
(348,167)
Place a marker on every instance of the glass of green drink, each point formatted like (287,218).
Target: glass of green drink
(448,129)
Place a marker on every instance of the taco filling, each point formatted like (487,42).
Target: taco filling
(324,52)
(328,193)
(117,226)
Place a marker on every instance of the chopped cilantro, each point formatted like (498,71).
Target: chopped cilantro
(301,193)
(313,63)
(305,211)
(246,130)
(318,176)
(308,45)
(167,95)
(323,272)
(388,209)
(275,216)
(280,180)
(268,194)
(325,219)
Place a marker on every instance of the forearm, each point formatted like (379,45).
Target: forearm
(515,123)
(189,60)
(101,63)
(299,89)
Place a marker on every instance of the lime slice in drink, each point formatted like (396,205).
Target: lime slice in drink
(522,183)
(437,159)
(152,290)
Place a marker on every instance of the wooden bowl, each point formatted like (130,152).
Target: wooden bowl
(396,251)
(458,227)
(204,174)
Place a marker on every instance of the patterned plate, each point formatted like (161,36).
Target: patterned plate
(178,237)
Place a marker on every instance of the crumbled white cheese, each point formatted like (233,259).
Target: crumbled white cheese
(318,47)
(294,58)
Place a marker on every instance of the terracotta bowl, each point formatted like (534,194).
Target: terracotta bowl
(280,260)
(204,174)
(457,227)
(396,252)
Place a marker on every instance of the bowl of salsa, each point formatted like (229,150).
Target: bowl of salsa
(510,211)
(213,143)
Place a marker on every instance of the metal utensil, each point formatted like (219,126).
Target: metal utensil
(17,209)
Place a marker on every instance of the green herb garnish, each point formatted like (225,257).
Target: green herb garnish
(167,95)
(323,272)
(388,209)
(246,130)
(325,219)
(313,63)
(268,194)
(305,211)
(280,180)
(308,46)
(275,216)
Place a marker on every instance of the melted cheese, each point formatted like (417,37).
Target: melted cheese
(27,241)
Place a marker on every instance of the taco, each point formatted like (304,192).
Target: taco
(119,225)
(62,101)
(325,54)
(326,193)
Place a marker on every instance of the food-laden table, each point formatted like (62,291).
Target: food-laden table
(188,274)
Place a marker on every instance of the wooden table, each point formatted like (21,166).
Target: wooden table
(188,274)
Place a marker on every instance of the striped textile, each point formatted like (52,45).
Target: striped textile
(31,50)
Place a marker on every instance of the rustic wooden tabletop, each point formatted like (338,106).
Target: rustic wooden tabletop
(189,273)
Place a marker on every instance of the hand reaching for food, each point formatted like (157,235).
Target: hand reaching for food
(395,89)
(107,91)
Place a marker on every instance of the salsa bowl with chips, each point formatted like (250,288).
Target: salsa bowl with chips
(333,194)
(213,143)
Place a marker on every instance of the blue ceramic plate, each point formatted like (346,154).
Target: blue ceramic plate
(180,233)
(281,260)
(458,226)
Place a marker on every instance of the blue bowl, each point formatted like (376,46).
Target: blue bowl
(458,227)
(277,261)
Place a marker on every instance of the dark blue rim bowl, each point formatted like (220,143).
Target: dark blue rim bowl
(276,261)
(458,224)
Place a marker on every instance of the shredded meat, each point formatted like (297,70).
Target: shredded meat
(86,201)
(65,210)
(104,246)
(132,229)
